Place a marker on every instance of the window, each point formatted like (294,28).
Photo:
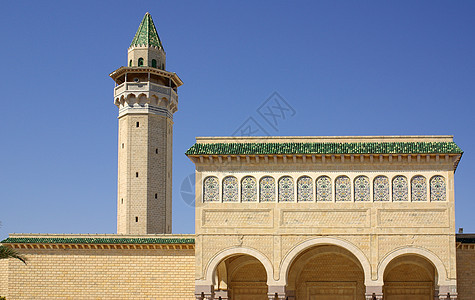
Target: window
(154,63)
(211,189)
(286,189)
(156,196)
(418,188)
(136,174)
(324,188)
(130,63)
(136,219)
(230,189)
(342,188)
(267,189)
(437,188)
(137,124)
(248,189)
(361,186)
(400,186)
(304,189)
(381,188)
(140,62)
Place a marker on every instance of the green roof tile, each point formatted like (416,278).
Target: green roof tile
(324,148)
(147,33)
(91,240)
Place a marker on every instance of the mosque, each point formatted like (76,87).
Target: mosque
(302,217)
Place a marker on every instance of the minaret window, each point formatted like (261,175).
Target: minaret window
(154,63)
(130,63)
(140,62)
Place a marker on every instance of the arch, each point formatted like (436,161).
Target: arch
(140,62)
(290,257)
(214,262)
(431,257)
(154,63)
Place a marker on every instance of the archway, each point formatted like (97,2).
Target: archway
(240,277)
(326,272)
(409,277)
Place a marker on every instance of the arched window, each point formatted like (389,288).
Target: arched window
(230,189)
(361,186)
(140,62)
(381,188)
(163,67)
(304,189)
(286,189)
(211,189)
(154,63)
(248,189)
(400,186)
(267,189)
(418,188)
(437,188)
(342,188)
(130,63)
(324,188)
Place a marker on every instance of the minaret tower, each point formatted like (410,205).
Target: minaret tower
(146,96)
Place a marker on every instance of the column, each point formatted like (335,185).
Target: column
(374,293)
(221,294)
(276,292)
(447,292)
(204,292)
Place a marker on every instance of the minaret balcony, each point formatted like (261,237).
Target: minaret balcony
(135,89)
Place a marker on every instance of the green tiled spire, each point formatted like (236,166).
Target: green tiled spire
(147,33)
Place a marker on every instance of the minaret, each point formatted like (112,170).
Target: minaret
(146,96)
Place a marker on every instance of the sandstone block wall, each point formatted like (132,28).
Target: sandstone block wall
(100,274)
(466,272)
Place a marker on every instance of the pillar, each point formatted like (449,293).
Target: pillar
(276,292)
(447,292)
(374,293)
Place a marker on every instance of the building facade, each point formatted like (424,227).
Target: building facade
(296,218)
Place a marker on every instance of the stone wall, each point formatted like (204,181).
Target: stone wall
(100,274)
(466,272)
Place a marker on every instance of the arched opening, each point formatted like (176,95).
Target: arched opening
(409,277)
(326,272)
(154,63)
(240,277)
(130,63)
(140,62)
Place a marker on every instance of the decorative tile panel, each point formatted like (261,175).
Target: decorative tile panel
(248,189)
(230,189)
(324,188)
(361,186)
(400,189)
(381,188)
(342,188)
(437,188)
(304,189)
(267,189)
(211,189)
(418,188)
(286,189)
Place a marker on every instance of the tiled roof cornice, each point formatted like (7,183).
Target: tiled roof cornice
(323,148)
(92,240)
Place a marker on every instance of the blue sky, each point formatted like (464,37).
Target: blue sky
(346,67)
